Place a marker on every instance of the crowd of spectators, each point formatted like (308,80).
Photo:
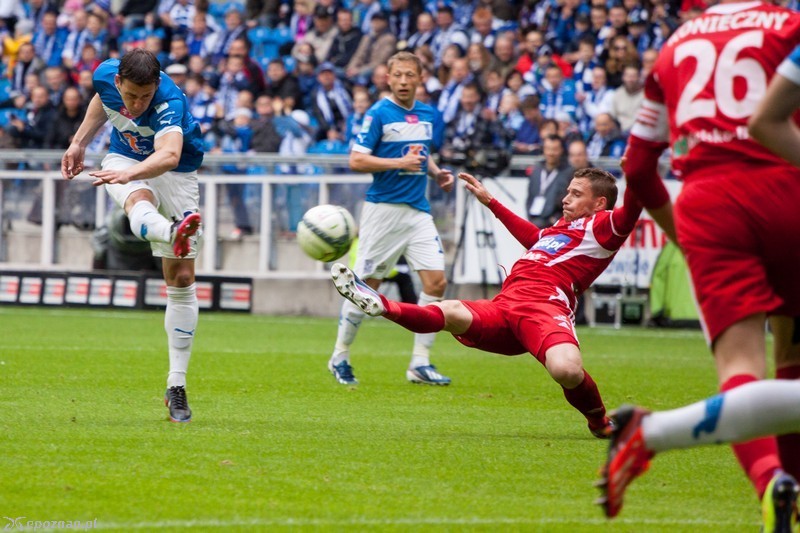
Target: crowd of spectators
(291,77)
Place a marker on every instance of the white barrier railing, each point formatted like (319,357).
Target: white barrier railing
(209,208)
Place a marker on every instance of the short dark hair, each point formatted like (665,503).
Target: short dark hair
(602,183)
(140,67)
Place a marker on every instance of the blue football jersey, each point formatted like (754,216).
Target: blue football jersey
(790,68)
(168,112)
(391,131)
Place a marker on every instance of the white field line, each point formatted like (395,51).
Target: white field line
(433,521)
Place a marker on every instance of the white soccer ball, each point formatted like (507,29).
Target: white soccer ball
(326,232)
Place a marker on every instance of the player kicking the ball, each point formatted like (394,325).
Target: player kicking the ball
(534,311)
(151,172)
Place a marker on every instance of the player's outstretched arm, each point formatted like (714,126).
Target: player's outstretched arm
(525,232)
(772,124)
(166,156)
(72,161)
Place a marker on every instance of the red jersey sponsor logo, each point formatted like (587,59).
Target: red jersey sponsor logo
(125,113)
(412,119)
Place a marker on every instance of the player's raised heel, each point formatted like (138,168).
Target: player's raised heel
(175,400)
(182,231)
(779,505)
(351,287)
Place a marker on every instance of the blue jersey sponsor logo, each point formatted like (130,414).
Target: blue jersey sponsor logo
(552,245)
(416,149)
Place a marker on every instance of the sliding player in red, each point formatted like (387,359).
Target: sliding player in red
(534,311)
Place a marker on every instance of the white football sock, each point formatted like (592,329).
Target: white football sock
(350,319)
(421,356)
(180,321)
(761,408)
(148,224)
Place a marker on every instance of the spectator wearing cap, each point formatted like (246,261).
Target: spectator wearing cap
(282,84)
(628,98)
(201,40)
(598,99)
(234,27)
(449,33)
(345,42)
(321,36)
(558,94)
(375,48)
(48,40)
(426,31)
(331,104)
(178,74)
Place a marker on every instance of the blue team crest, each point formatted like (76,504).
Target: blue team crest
(552,245)
(415,148)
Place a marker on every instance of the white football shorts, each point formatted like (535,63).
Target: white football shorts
(387,231)
(177,195)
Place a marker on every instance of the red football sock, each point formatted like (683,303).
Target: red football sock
(419,319)
(758,457)
(586,399)
(789,445)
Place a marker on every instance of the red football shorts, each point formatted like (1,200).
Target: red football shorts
(511,326)
(741,237)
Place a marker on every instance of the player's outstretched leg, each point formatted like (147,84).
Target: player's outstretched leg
(779,505)
(182,230)
(175,400)
(627,458)
(354,289)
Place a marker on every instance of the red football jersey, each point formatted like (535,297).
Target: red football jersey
(568,255)
(709,78)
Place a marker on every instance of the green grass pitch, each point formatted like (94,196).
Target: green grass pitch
(276,442)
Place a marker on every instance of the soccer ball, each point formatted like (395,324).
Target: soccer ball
(326,232)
